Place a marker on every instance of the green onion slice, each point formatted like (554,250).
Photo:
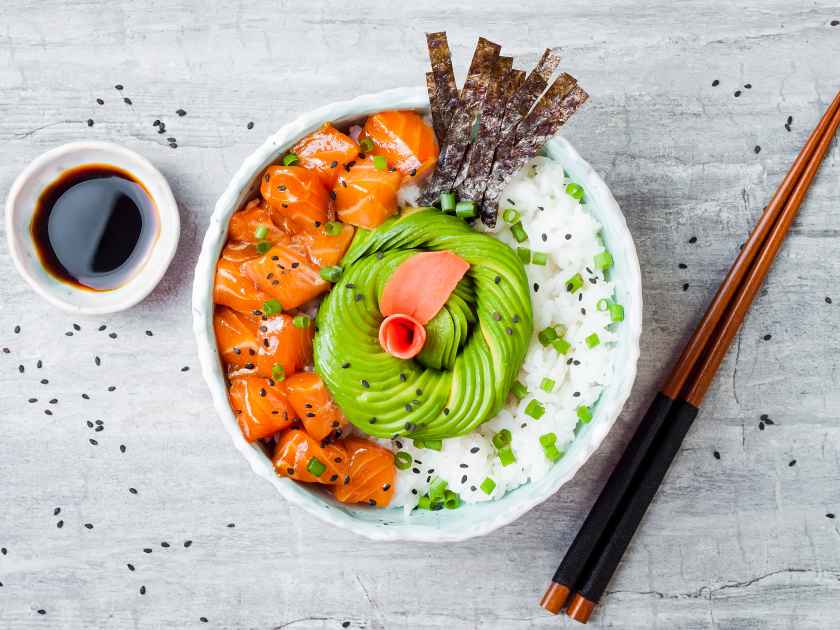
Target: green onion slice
(403,460)
(487,486)
(552,453)
(524,255)
(451,500)
(271,307)
(535,409)
(316,467)
(575,191)
(603,261)
(584,414)
(437,489)
(380,163)
(519,232)
(333,228)
(301,321)
(506,456)
(539,258)
(562,346)
(547,384)
(289,159)
(447,202)
(511,216)
(263,247)
(424,503)
(574,283)
(502,438)
(603,305)
(548,439)
(434,445)
(518,390)
(261,232)
(465,209)
(593,340)
(616,312)
(331,274)
(278,372)
(547,335)
(366,145)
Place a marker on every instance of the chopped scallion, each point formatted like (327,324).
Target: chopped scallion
(506,456)
(331,274)
(518,390)
(278,372)
(403,460)
(604,260)
(616,312)
(593,340)
(465,209)
(603,305)
(584,414)
(539,258)
(333,228)
(562,346)
(575,191)
(535,409)
(261,232)
(301,321)
(552,453)
(434,445)
(451,500)
(366,145)
(263,247)
(547,335)
(316,467)
(548,439)
(547,384)
(271,307)
(437,489)
(524,254)
(511,216)
(502,438)
(289,159)
(424,503)
(487,486)
(380,163)
(447,202)
(519,232)
(574,283)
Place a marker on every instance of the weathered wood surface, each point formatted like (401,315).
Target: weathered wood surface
(737,542)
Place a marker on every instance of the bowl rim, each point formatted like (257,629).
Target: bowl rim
(202,309)
(157,260)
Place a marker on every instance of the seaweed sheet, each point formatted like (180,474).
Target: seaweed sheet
(533,85)
(446,91)
(437,107)
(479,158)
(459,130)
(560,103)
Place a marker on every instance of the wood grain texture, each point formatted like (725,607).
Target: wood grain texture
(737,542)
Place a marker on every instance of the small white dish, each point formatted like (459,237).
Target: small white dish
(21,204)
(469,520)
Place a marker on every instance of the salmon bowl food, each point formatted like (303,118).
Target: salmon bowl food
(419,311)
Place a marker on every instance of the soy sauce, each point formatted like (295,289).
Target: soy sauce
(94,226)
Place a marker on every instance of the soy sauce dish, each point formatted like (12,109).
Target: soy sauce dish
(92,227)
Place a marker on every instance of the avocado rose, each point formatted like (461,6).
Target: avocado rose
(475,344)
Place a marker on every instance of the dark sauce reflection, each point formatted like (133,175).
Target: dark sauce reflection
(94,226)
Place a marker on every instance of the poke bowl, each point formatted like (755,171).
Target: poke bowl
(484,493)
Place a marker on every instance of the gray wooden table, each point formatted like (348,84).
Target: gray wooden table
(687,122)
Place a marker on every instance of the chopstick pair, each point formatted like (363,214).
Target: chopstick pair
(605,534)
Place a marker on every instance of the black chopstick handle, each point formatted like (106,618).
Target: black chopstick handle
(605,508)
(621,531)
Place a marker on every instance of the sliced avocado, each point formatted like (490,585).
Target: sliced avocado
(475,344)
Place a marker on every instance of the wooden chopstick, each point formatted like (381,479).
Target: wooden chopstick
(586,567)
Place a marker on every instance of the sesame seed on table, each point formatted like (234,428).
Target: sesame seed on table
(127,505)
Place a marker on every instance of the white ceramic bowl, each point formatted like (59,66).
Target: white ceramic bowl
(471,519)
(21,203)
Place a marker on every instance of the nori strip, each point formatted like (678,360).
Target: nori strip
(459,131)
(447,90)
(547,107)
(436,106)
(479,159)
(556,114)
(534,85)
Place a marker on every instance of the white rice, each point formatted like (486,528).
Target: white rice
(571,241)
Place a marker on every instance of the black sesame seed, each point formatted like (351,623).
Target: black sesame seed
(737,93)
(403,377)
(130,566)
(133,490)
(568,237)
(682,266)
(757,149)
(692,240)
(685,286)
(497,279)
(97,360)
(464,479)
(90,122)
(716,454)
(474,450)
(41,611)
(446,411)
(93,442)
(59,524)
(164,544)
(715,83)
(33,400)
(149,333)
(57,511)
(180,112)
(536,287)
(203,619)
(112,335)
(761,426)
(122,448)
(250,125)
(365,383)
(830,515)
(99,101)
(767,337)
(827,300)
(118,86)
(186,368)
(142,590)
(748,86)
(187,543)
(127,101)
(85,396)
(21,369)
(89,525)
